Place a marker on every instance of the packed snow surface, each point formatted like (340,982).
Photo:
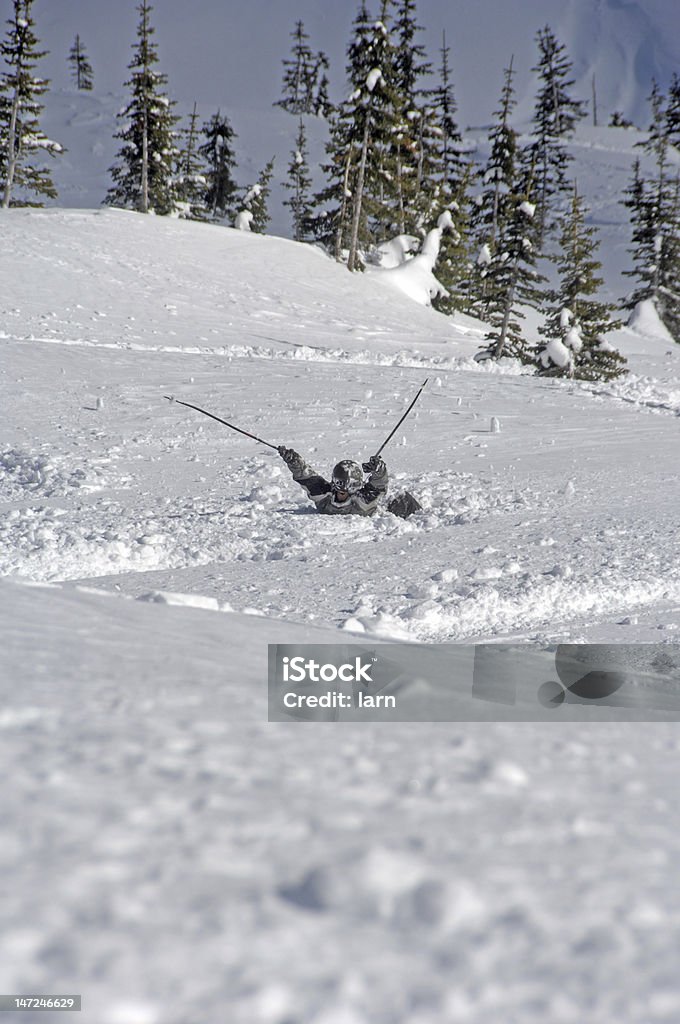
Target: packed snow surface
(167,852)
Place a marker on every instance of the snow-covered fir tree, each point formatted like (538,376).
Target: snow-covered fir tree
(514,280)
(642,208)
(254,212)
(217,152)
(655,221)
(144,174)
(349,207)
(442,97)
(555,116)
(417,186)
(299,185)
(454,266)
(81,69)
(190,178)
(373,108)
(305,83)
(672,113)
(21,137)
(669,289)
(494,204)
(577,323)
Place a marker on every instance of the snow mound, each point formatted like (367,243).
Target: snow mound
(415,277)
(646,321)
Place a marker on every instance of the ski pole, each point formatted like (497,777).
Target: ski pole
(403,417)
(171,398)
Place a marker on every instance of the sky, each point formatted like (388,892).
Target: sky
(229,54)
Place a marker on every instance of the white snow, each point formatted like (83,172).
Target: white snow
(645,320)
(243,220)
(374,78)
(166,851)
(415,277)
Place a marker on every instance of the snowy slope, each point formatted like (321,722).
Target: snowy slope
(167,852)
(174,858)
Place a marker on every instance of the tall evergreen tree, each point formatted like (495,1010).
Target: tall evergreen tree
(668,300)
(672,115)
(515,281)
(81,69)
(417,183)
(454,266)
(555,116)
(143,177)
(455,165)
(190,179)
(374,112)
(655,221)
(218,155)
(360,131)
(577,323)
(21,136)
(644,230)
(455,176)
(299,184)
(495,203)
(305,85)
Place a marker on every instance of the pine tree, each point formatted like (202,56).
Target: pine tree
(577,324)
(454,266)
(454,176)
(555,117)
(217,153)
(455,166)
(374,104)
(299,184)
(668,299)
(305,85)
(672,115)
(643,216)
(655,221)
(255,201)
(417,174)
(143,177)
(20,134)
(352,203)
(495,203)
(81,68)
(514,279)
(190,178)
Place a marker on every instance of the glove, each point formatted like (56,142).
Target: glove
(289,455)
(374,465)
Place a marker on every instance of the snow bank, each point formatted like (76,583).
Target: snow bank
(646,321)
(415,278)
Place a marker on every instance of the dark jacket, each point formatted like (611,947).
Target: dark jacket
(363,502)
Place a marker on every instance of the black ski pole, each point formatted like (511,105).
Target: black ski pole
(170,398)
(403,417)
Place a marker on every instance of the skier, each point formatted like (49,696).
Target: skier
(348,493)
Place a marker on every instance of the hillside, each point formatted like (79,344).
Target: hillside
(409,873)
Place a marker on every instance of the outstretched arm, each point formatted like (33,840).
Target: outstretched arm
(316,487)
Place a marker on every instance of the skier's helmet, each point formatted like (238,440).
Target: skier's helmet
(347,476)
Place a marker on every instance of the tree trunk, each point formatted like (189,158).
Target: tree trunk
(358,196)
(12,149)
(145,163)
(500,344)
(339,234)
